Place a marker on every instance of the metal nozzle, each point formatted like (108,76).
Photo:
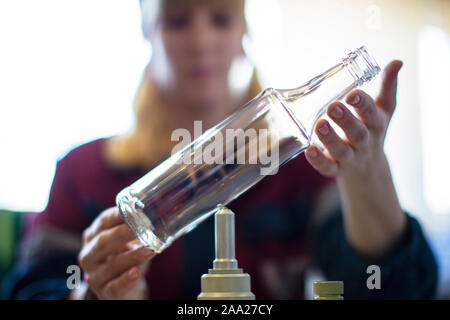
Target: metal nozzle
(225,244)
(225,280)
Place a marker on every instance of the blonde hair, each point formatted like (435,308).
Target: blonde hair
(149,142)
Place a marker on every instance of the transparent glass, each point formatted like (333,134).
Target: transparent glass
(234,155)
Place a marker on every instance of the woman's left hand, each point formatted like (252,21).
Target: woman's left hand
(373,217)
(359,154)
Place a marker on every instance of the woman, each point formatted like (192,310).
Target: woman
(283,224)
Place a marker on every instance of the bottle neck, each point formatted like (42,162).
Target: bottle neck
(291,95)
(309,102)
(359,64)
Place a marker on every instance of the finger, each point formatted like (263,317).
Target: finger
(321,162)
(133,244)
(121,285)
(366,109)
(129,246)
(104,244)
(336,147)
(353,128)
(109,218)
(387,99)
(117,265)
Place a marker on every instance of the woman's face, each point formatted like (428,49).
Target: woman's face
(197,46)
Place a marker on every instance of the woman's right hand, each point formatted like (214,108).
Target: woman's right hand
(113,261)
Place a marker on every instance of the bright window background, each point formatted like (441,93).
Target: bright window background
(68,74)
(434,99)
(69,71)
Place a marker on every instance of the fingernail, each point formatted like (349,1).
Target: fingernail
(135,246)
(355,100)
(133,273)
(312,153)
(337,112)
(147,252)
(324,129)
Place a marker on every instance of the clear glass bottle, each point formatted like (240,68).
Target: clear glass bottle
(234,155)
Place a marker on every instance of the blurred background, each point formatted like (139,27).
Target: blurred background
(69,71)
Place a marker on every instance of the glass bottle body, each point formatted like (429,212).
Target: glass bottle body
(234,155)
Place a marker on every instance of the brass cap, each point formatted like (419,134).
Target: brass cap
(328,287)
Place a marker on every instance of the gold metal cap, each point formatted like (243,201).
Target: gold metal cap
(328,287)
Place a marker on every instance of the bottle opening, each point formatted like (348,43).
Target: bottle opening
(361,65)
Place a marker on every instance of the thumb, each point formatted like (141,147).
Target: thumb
(387,99)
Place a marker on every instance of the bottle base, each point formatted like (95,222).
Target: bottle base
(139,224)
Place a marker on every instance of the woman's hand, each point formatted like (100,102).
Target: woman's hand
(359,154)
(113,262)
(372,214)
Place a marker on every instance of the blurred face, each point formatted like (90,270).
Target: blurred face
(195,43)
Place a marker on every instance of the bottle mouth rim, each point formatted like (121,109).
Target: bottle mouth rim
(361,65)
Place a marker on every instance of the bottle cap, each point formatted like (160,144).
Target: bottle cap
(328,287)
